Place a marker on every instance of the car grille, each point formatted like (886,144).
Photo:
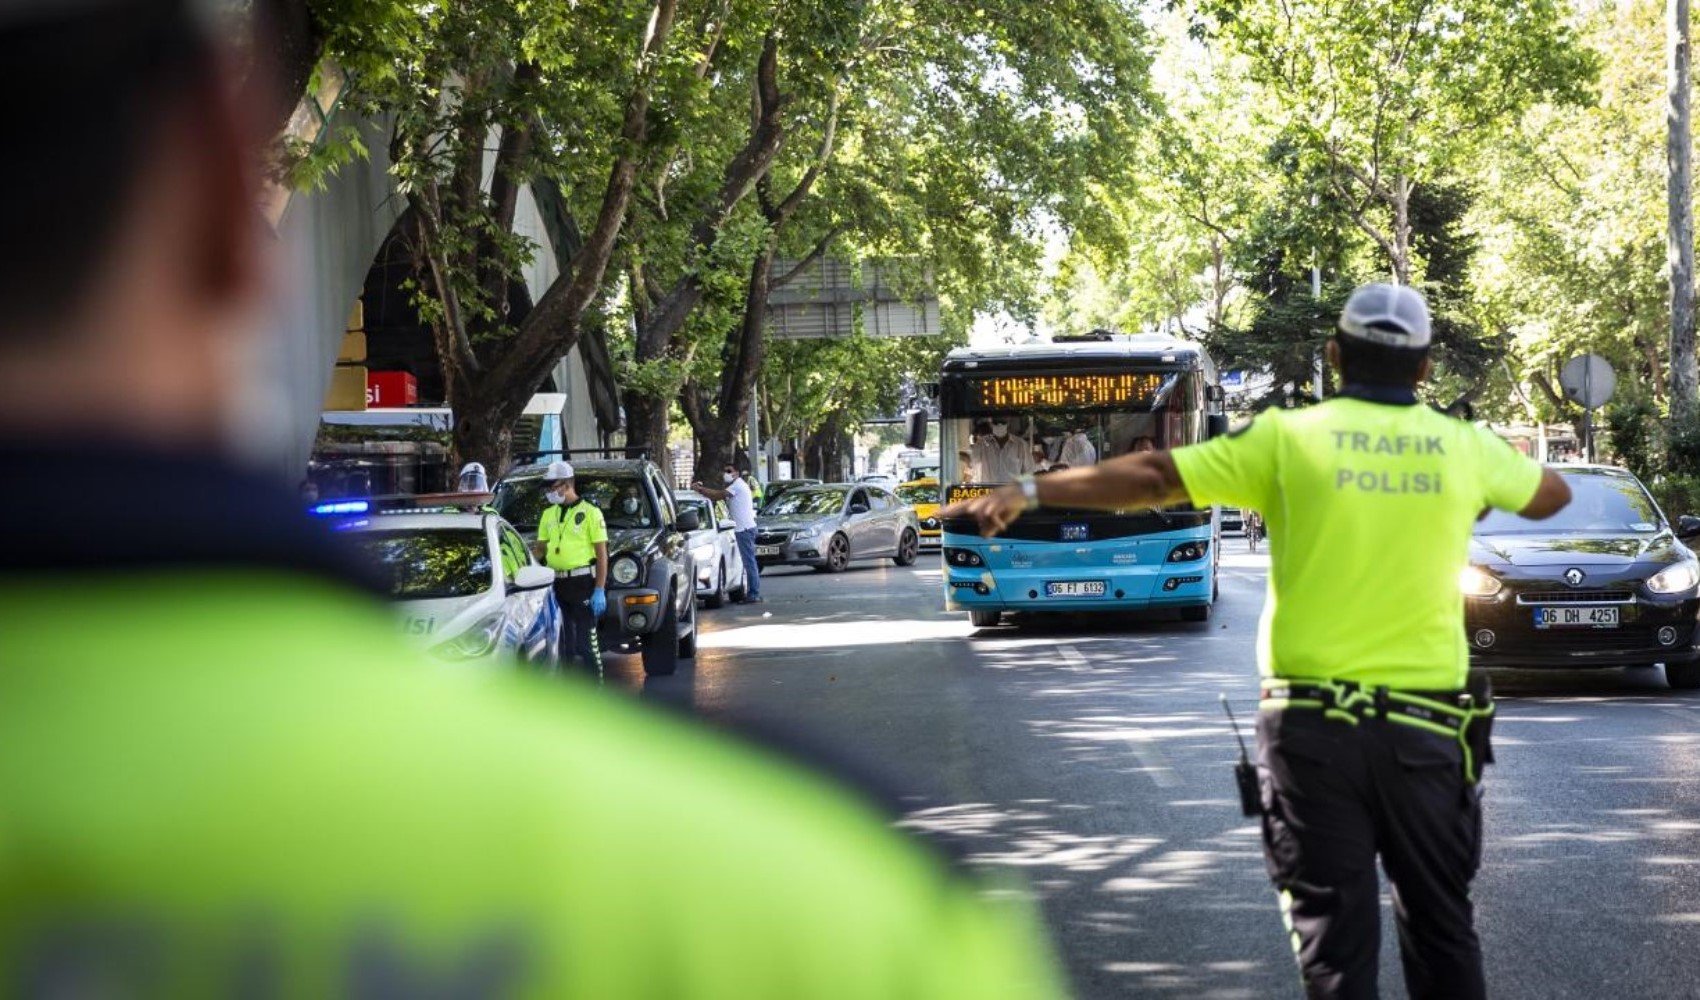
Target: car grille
(1602,640)
(1577,597)
(772,537)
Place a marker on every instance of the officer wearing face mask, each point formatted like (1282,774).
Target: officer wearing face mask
(1001,457)
(572,540)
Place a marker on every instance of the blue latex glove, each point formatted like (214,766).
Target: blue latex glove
(598,602)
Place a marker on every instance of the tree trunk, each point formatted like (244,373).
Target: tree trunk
(824,452)
(1679,250)
(716,449)
(646,426)
(1402,230)
(481,434)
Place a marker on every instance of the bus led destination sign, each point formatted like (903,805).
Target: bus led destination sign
(1067,392)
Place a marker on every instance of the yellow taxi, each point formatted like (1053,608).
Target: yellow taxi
(923,495)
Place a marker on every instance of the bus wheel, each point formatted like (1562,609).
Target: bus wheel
(1196,613)
(986,619)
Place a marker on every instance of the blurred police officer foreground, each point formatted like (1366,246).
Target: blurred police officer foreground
(220,771)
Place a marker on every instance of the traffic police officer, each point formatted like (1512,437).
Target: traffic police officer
(572,540)
(223,772)
(1370,740)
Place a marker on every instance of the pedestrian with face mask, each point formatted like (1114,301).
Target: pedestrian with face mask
(572,540)
(742,504)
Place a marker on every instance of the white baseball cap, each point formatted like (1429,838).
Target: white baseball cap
(559,471)
(1390,315)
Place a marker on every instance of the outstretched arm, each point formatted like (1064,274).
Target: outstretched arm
(1143,479)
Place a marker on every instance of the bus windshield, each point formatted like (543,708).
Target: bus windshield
(996,446)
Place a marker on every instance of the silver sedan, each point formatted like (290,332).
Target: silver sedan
(829,527)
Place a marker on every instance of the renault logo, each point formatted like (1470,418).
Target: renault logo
(1574,576)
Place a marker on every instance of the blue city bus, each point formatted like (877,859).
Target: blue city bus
(1071,401)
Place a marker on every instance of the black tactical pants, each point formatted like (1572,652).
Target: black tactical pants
(1335,796)
(578,625)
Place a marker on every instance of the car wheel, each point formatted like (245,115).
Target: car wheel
(837,554)
(718,598)
(986,619)
(907,548)
(1196,613)
(661,647)
(1683,676)
(688,641)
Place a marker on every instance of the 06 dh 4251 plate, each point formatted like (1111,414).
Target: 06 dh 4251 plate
(1576,617)
(1075,588)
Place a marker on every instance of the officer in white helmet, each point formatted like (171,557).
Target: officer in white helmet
(1371,733)
(572,540)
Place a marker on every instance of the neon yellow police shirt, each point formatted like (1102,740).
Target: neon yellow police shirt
(1369,509)
(571,534)
(243,783)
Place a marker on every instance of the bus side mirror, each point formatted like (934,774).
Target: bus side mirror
(916,436)
(1216,425)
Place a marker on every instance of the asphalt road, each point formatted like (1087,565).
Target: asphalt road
(1089,760)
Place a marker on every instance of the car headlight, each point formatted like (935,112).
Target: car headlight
(625,570)
(1476,582)
(1675,578)
(812,531)
(478,641)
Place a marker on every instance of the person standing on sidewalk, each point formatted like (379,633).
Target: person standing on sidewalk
(1371,737)
(742,505)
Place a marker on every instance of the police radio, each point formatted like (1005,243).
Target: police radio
(1245,774)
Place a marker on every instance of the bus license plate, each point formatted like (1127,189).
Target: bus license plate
(1075,588)
(766,550)
(1576,618)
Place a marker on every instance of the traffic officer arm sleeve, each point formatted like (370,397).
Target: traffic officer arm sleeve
(1514,482)
(1236,469)
(597,535)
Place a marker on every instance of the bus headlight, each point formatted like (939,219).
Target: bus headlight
(1675,578)
(1476,582)
(625,570)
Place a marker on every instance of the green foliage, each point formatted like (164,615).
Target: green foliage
(1635,430)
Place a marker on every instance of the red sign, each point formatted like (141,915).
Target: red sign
(391,389)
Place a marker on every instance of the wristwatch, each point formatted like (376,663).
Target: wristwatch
(1029,492)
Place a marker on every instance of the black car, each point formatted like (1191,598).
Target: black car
(1606,582)
(651,582)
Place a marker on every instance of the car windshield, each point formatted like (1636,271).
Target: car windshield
(918,494)
(805,501)
(1600,503)
(425,565)
(620,497)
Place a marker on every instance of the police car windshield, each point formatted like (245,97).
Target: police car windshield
(1601,503)
(423,565)
(620,497)
(807,501)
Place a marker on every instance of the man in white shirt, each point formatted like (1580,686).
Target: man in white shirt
(1000,457)
(743,508)
(1077,450)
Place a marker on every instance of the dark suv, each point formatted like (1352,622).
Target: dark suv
(651,583)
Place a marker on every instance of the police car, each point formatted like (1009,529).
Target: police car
(464,584)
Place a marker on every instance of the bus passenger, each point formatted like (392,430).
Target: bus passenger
(999,457)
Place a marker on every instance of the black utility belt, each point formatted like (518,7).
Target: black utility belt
(1466,716)
(581,571)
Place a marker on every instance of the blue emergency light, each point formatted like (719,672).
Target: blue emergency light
(341,507)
